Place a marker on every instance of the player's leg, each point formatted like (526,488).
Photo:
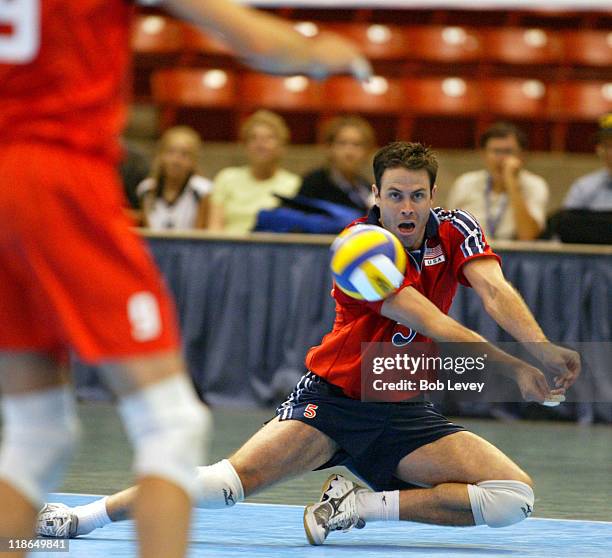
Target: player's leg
(455,478)
(166,424)
(279,450)
(472,482)
(40,429)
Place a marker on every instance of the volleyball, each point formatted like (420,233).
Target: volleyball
(368,262)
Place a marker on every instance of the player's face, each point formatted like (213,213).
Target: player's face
(497,150)
(178,159)
(348,151)
(405,201)
(263,146)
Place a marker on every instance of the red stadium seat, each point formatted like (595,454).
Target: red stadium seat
(441,111)
(156,34)
(588,48)
(297,98)
(204,89)
(582,100)
(450,96)
(295,93)
(377,41)
(515,98)
(157,42)
(575,108)
(380,95)
(521,46)
(193,87)
(524,100)
(448,44)
(381,99)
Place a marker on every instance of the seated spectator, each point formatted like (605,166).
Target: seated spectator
(239,193)
(349,140)
(586,217)
(175,196)
(594,191)
(507,200)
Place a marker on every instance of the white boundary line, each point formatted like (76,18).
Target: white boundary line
(298,506)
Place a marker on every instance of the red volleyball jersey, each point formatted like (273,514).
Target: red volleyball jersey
(63,66)
(452,238)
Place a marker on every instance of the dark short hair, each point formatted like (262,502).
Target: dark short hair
(407,155)
(503,130)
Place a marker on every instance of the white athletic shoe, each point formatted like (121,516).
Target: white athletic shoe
(335,511)
(57,520)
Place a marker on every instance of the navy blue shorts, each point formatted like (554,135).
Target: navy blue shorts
(372,437)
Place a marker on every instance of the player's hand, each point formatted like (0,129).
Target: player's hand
(534,387)
(565,363)
(318,57)
(334,54)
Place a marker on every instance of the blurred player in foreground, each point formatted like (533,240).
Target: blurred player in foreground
(74,276)
(420,466)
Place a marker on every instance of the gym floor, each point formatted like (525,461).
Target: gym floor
(570,464)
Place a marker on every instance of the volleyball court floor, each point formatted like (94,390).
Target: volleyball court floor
(571,466)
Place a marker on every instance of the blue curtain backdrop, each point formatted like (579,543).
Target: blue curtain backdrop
(249,311)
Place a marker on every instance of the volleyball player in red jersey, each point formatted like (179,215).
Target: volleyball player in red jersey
(419,465)
(73,276)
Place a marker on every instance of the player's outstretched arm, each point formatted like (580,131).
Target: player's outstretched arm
(269,43)
(506,306)
(411,308)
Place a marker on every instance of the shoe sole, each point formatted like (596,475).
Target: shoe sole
(309,524)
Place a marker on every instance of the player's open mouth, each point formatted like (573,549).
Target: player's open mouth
(406,228)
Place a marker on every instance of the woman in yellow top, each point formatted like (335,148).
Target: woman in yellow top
(239,193)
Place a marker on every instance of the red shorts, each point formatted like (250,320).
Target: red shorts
(73,275)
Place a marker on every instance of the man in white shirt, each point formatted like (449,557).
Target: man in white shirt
(508,200)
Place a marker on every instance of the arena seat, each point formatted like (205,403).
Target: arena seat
(518,99)
(378,42)
(157,42)
(297,98)
(452,96)
(441,111)
(379,95)
(575,108)
(445,44)
(515,98)
(380,99)
(587,48)
(157,34)
(521,46)
(209,89)
(294,93)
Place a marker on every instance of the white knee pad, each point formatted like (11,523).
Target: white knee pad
(169,429)
(40,430)
(499,503)
(220,486)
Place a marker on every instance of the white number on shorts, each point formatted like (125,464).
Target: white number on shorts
(22,41)
(143,313)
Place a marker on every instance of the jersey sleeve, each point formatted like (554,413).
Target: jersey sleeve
(468,241)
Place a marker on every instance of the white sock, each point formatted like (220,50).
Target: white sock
(92,516)
(378,506)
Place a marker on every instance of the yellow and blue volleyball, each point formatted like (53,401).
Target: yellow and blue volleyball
(368,262)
